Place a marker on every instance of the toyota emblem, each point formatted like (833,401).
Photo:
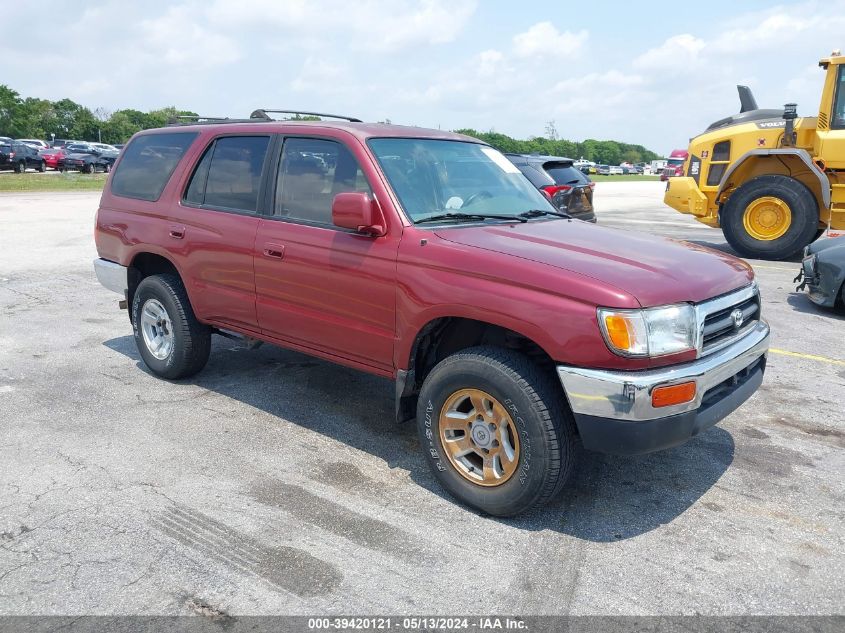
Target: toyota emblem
(737,318)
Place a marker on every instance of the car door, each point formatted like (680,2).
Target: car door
(213,231)
(318,286)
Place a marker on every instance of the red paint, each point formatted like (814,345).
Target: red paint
(361,300)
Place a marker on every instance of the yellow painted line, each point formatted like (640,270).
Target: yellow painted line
(821,359)
(795,269)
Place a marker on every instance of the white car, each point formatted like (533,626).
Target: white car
(615,170)
(36,143)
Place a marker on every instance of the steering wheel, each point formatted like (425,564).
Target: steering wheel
(478,195)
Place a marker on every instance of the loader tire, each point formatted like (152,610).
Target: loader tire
(770,217)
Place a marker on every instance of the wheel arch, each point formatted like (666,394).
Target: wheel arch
(793,162)
(145,263)
(445,335)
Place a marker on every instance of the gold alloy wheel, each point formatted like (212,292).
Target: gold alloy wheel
(479,437)
(767,218)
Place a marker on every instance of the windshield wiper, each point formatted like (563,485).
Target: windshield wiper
(472,216)
(536,213)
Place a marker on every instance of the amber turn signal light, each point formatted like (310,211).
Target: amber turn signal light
(618,331)
(673,394)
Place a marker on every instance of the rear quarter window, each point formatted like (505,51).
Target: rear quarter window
(147,164)
(565,174)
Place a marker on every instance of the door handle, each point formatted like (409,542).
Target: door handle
(274,251)
(177,232)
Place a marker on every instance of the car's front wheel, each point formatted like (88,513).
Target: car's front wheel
(495,430)
(170,339)
(42,166)
(20,167)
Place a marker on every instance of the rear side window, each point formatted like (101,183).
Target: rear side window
(229,174)
(565,174)
(147,164)
(312,173)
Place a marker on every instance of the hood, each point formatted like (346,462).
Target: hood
(655,270)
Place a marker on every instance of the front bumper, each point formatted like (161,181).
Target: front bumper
(111,275)
(683,194)
(613,409)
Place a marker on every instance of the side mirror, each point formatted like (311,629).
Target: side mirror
(356,210)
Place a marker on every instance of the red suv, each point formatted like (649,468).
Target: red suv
(428,258)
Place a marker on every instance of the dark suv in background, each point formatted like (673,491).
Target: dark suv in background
(19,156)
(570,190)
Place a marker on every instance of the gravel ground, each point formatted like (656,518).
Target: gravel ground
(273,483)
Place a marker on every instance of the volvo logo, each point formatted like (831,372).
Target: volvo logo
(737,317)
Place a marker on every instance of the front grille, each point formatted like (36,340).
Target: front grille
(718,325)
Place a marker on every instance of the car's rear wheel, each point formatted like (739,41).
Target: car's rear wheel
(170,339)
(770,217)
(107,168)
(42,166)
(89,168)
(496,430)
(20,167)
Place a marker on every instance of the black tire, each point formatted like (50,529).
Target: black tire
(191,339)
(107,168)
(42,166)
(537,408)
(804,217)
(20,167)
(89,168)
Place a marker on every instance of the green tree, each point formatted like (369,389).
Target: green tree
(10,110)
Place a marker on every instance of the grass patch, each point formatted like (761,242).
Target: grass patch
(623,177)
(68,181)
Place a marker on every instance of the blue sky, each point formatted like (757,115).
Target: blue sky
(637,72)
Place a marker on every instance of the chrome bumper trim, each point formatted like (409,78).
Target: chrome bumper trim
(111,275)
(626,395)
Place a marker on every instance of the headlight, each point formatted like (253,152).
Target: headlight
(651,332)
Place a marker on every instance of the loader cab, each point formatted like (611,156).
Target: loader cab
(830,135)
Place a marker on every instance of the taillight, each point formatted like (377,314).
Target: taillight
(11,154)
(592,185)
(552,190)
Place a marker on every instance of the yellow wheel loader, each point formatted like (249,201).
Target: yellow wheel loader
(773,181)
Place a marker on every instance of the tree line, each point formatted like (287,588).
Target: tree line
(602,152)
(40,118)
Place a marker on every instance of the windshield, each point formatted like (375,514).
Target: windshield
(432,177)
(674,162)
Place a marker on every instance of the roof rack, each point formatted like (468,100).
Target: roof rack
(190,119)
(261,113)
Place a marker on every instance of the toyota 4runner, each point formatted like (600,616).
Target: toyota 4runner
(428,258)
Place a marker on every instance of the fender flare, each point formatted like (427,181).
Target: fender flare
(802,154)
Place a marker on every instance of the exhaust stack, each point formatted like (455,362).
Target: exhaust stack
(790,113)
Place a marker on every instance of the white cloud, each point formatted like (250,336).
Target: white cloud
(376,25)
(318,75)
(544,40)
(176,38)
(679,51)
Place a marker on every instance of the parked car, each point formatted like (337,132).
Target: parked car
(36,143)
(19,157)
(603,170)
(426,257)
(60,143)
(52,157)
(823,272)
(567,187)
(85,157)
(119,146)
(615,170)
